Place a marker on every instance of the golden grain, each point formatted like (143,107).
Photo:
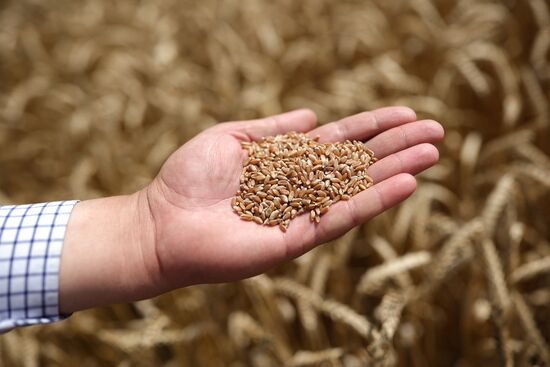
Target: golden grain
(306,179)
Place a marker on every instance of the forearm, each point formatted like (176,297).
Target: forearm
(107,253)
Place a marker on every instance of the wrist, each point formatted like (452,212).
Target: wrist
(107,252)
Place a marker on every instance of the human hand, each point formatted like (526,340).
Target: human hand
(198,237)
(181,229)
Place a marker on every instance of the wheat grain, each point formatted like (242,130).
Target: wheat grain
(286,175)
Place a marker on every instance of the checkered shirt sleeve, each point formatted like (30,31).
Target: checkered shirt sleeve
(31,239)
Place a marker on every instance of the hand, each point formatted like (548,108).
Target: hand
(181,229)
(198,237)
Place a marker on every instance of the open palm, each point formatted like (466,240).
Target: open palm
(198,237)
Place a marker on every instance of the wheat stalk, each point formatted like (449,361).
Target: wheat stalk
(403,221)
(314,358)
(442,225)
(506,142)
(496,202)
(243,329)
(536,96)
(503,342)
(389,313)
(540,12)
(455,252)
(335,310)
(495,275)
(373,278)
(517,231)
(531,269)
(473,75)
(512,103)
(535,155)
(387,253)
(469,155)
(536,173)
(261,291)
(530,326)
(135,340)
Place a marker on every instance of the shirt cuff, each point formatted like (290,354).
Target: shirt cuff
(31,240)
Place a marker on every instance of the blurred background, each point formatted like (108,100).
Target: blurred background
(95,94)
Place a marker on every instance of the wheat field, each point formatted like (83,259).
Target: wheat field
(95,94)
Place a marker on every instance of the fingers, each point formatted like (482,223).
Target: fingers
(302,120)
(364,125)
(365,205)
(405,136)
(345,215)
(412,160)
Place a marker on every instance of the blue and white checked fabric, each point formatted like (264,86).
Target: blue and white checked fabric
(31,239)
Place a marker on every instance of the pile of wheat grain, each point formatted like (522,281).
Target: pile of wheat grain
(287,175)
(95,94)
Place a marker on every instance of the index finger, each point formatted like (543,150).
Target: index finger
(364,125)
(302,120)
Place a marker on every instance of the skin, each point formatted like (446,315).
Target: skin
(180,230)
